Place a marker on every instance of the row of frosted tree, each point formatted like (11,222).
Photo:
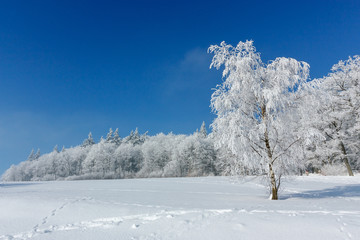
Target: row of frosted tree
(271,120)
(112,157)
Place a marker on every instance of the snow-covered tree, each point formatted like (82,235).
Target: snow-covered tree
(116,139)
(103,160)
(128,159)
(255,107)
(37,154)
(337,116)
(11,174)
(89,141)
(157,152)
(109,136)
(203,132)
(129,138)
(77,157)
(194,156)
(56,148)
(31,156)
(135,138)
(205,157)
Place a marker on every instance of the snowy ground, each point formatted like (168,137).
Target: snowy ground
(312,207)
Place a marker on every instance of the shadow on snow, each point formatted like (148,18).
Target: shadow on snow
(338,191)
(11,185)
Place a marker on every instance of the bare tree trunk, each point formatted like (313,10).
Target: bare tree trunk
(345,159)
(274,188)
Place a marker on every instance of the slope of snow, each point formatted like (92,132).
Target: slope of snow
(311,207)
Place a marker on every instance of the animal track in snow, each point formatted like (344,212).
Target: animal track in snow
(39,228)
(342,227)
(109,222)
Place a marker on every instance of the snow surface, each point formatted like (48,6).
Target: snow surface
(311,207)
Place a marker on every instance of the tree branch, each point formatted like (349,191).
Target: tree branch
(285,150)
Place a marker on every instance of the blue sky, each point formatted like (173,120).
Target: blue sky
(70,67)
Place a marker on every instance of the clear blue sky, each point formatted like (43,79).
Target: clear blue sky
(70,67)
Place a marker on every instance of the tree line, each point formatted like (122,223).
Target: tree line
(137,155)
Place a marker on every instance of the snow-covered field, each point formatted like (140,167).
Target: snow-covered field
(311,207)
